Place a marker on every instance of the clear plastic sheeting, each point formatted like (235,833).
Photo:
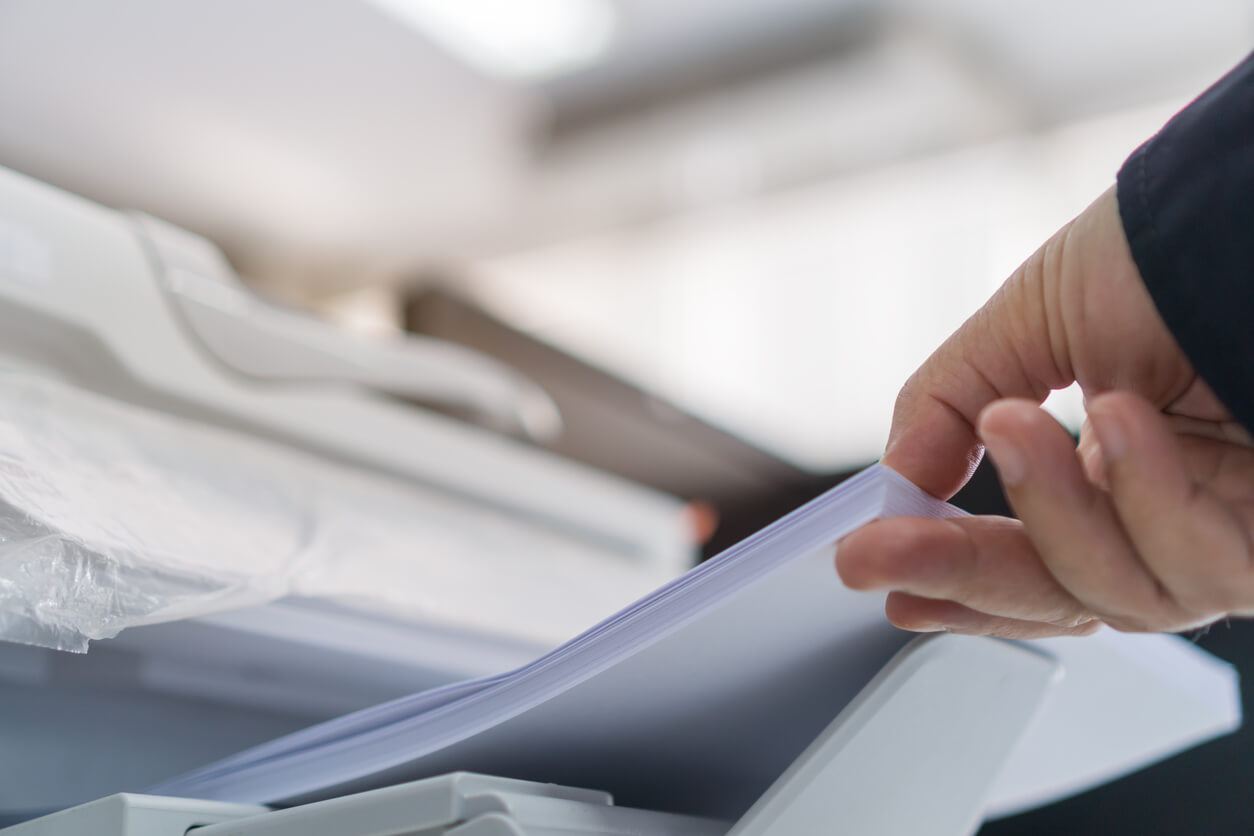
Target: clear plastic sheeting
(113,516)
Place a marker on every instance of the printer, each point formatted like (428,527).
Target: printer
(352,547)
(243,512)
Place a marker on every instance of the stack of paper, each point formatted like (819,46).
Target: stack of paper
(696,697)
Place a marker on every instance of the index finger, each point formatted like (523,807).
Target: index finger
(1004,350)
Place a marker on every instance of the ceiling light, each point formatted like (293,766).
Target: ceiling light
(527,39)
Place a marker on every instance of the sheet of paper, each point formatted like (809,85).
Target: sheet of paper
(697,697)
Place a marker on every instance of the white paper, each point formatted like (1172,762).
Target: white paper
(695,698)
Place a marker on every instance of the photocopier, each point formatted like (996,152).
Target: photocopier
(241,509)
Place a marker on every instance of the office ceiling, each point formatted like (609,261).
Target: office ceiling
(324,144)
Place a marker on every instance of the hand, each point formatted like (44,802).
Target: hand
(1147,526)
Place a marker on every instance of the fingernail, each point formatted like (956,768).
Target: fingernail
(1110,435)
(1008,458)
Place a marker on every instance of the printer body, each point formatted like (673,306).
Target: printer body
(128,311)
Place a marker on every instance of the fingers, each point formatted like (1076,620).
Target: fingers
(1192,542)
(1017,345)
(1076,310)
(1004,350)
(984,563)
(1217,454)
(1155,551)
(1072,523)
(928,615)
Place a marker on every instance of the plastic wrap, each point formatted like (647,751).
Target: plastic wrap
(112,515)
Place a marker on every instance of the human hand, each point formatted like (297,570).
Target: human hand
(1147,526)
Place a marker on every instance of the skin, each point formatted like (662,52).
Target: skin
(1146,526)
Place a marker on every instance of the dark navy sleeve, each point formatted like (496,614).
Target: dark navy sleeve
(1186,198)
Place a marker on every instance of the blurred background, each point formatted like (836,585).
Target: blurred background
(762,213)
(720,233)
